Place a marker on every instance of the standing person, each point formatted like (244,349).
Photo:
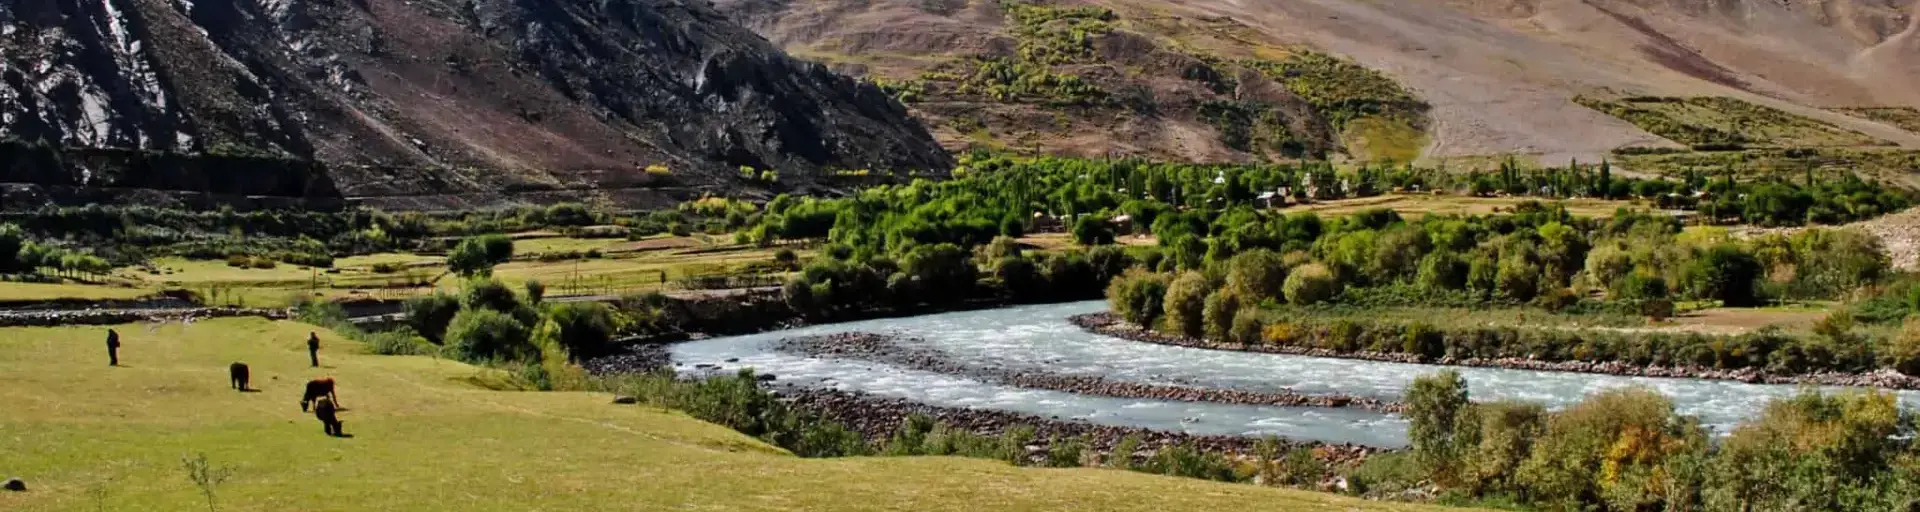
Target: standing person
(313,348)
(113,348)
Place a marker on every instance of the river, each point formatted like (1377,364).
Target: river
(1041,336)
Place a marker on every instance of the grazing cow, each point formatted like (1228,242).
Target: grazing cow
(317,389)
(324,410)
(237,373)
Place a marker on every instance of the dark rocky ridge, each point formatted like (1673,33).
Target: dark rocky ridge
(429,103)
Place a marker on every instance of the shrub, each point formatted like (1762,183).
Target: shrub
(1066,453)
(1257,275)
(430,314)
(1725,273)
(397,343)
(1442,270)
(1187,461)
(1090,230)
(1311,284)
(1247,327)
(1186,305)
(476,256)
(536,291)
(1138,296)
(1439,425)
(1219,314)
(1609,448)
(481,335)
(490,294)
(586,328)
(1903,350)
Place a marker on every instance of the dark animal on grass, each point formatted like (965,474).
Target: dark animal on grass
(238,374)
(317,389)
(329,420)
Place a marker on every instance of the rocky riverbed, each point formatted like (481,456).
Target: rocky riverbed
(111,316)
(890,349)
(1109,324)
(877,418)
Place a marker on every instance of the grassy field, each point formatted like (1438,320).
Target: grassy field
(627,266)
(1905,118)
(1712,120)
(1415,205)
(32,292)
(85,437)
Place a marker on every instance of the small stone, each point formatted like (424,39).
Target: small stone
(16,485)
(625,400)
(764,377)
(733,360)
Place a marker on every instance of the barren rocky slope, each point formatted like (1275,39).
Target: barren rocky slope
(433,103)
(1498,74)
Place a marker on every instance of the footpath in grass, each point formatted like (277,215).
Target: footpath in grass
(85,436)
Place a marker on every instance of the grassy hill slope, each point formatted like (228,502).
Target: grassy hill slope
(428,439)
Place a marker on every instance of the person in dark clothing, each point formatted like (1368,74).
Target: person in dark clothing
(313,349)
(237,372)
(113,348)
(318,389)
(329,419)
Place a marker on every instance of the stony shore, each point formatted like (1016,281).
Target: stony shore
(1110,325)
(877,418)
(108,316)
(884,348)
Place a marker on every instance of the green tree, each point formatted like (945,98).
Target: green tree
(1257,275)
(1439,423)
(1186,304)
(1726,273)
(485,335)
(430,314)
(1311,284)
(1138,296)
(1090,230)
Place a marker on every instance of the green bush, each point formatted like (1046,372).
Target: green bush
(1219,314)
(481,335)
(1725,273)
(1311,284)
(1138,296)
(430,314)
(1440,426)
(586,328)
(1186,305)
(1257,275)
(397,343)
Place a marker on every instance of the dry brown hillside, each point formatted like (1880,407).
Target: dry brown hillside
(1498,76)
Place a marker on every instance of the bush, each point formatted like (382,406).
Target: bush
(1222,306)
(1186,305)
(1725,273)
(1311,284)
(1609,448)
(490,294)
(1257,275)
(430,314)
(1903,351)
(586,328)
(1138,295)
(481,335)
(1090,230)
(397,343)
(476,256)
(1247,327)
(1439,425)
(536,291)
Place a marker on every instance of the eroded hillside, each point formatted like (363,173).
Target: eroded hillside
(436,103)
(1499,76)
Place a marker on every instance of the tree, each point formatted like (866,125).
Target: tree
(586,328)
(1186,304)
(476,256)
(1439,424)
(1442,270)
(1138,295)
(429,315)
(1090,230)
(1256,275)
(1222,306)
(1726,273)
(12,240)
(1311,284)
(484,335)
